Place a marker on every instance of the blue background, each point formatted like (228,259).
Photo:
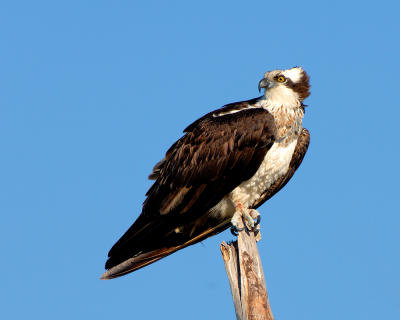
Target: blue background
(92,93)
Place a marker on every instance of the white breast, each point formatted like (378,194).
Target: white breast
(276,162)
(274,166)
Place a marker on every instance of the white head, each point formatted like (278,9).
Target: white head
(289,86)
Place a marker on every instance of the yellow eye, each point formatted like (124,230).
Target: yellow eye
(281,79)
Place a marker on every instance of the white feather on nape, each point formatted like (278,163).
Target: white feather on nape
(294,74)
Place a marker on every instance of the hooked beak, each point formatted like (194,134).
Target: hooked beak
(264,84)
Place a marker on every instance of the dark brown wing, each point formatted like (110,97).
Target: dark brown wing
(215,155)
(297,158)
(229,108)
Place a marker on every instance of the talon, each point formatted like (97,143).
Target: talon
(255,215)
(235,230)
(257,233)
(256,230)
(256,226)
(236,222)
(251,216)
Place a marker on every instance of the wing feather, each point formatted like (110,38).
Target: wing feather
(215,155)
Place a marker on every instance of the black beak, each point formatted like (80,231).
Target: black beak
(263,84)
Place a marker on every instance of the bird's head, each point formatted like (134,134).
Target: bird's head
(286,84)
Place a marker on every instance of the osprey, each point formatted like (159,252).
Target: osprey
(227,164)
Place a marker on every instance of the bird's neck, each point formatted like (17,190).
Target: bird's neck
(282,95)
(288,116)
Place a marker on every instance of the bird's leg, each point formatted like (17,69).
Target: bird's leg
(235,221)
(257,233)
(256,229)
(249,214)
(255,215)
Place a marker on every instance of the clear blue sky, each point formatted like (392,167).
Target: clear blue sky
(92,93)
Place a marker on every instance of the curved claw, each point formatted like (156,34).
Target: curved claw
(256,228)
(235,231)
(256,231)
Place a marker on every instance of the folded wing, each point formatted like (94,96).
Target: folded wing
(217,153)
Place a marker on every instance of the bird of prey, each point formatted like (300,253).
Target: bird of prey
(227,164)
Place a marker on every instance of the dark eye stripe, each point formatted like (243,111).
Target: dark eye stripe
(302,86)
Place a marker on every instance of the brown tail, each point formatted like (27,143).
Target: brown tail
(143,259)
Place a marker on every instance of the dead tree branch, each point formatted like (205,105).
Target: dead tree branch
(246,278)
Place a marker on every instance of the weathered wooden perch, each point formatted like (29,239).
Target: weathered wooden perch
(246,278)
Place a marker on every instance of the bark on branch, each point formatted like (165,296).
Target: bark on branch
(246,278)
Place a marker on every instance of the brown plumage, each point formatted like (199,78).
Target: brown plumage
(218,153)
(190,180)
